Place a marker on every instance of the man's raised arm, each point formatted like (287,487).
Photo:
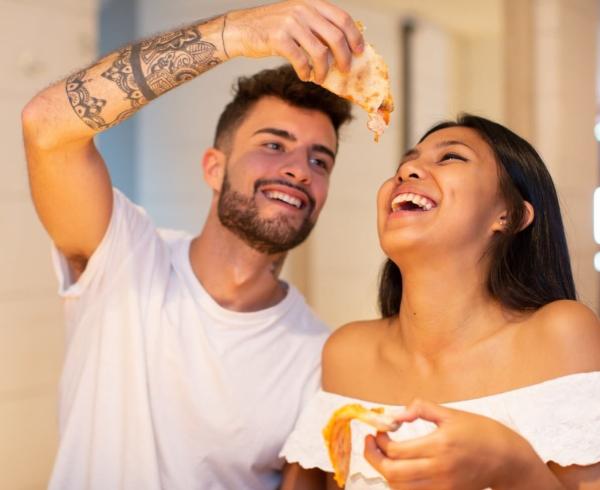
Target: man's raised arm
(69,181)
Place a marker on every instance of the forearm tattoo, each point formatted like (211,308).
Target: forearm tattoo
(88,108)
(143,72)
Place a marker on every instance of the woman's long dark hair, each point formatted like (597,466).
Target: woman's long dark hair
(528,268)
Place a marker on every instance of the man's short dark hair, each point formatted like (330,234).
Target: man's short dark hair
(284,84)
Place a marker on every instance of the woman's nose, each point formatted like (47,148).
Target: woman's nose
(411,170)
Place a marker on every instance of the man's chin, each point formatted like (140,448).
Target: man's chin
(272,247)
(283,212)
(280,239)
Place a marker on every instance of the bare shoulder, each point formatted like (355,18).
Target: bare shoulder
(568,333)
(349,354)
(346,336)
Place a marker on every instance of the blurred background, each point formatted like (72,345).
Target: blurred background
(530,64)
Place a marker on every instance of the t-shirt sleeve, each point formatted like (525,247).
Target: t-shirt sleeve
(128,247)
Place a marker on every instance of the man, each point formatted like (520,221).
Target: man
(188,360)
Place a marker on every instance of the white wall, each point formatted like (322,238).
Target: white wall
(40,43)
(565,109)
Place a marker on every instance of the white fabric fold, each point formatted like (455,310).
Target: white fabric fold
(560,418)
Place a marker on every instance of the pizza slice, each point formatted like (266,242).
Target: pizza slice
(367,84)
(338,437)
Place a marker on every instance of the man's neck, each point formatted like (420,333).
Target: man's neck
(236,276)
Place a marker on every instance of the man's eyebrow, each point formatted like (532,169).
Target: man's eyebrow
(291,137)
(324,149)
(277,132)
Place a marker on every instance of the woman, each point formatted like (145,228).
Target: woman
(480,337)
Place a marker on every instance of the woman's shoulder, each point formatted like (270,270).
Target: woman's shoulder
(567,332)
(567,309)
(348,353)
(345,340)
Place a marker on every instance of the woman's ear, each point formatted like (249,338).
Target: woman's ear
(213,165)
(501,223)
(528,215)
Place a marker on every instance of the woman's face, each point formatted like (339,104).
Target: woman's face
(443,198)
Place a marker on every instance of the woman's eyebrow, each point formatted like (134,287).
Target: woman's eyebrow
(414,153)
(411,154)
(443,144)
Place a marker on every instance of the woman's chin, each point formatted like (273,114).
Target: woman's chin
(402,242)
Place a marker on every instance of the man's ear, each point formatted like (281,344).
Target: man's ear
(213,165)
(501,222)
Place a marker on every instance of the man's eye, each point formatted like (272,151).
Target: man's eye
(453,156)
(271,145)
(319,163)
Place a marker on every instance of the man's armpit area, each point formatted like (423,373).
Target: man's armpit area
(77,264)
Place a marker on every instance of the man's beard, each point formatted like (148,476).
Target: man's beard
(240,215)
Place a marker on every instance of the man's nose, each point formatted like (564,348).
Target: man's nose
(297,167)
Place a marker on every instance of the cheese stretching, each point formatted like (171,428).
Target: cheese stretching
(367,84)
(338,437)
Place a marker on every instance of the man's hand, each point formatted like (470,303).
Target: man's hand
(466,452)
(308,33)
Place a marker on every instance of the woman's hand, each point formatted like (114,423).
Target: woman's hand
(309,33)
(466,452)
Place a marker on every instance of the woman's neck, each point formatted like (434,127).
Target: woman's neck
(445,309)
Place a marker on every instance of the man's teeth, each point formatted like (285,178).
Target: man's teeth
(421,201)
(293,201)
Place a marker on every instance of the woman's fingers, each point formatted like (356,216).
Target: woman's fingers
(422,409)
(420,447)
(413,472)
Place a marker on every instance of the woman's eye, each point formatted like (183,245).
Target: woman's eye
(453,156)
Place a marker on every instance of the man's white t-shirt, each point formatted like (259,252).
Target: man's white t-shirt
(162,388)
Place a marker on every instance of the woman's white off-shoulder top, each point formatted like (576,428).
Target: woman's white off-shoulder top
(560,418)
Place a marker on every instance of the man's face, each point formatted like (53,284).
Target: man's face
(277,175)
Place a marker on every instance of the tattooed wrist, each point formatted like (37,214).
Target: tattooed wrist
(173,58)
